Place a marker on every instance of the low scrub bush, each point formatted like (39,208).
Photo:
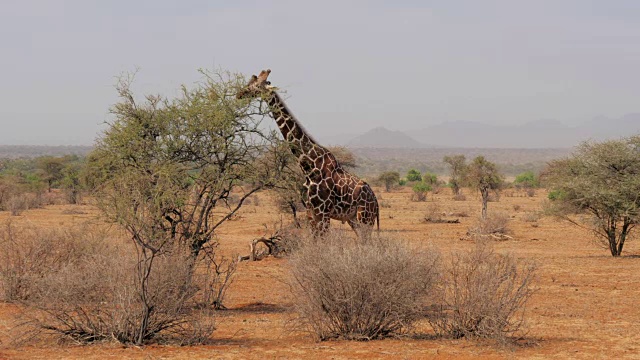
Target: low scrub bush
(360,290)
(482,294)
(495,224)
(17,204)
(459,197)
(28,254)
(78,285)
(434,213)
(531,216)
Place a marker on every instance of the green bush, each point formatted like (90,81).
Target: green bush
(527,179)
(420,191)
(429,178)
(414,175)
(556,195)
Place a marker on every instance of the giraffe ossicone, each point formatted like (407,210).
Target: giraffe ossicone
(332,192)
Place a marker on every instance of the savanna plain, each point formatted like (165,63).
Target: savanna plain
(586,303)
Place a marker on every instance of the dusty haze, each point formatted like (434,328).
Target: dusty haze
(348,67)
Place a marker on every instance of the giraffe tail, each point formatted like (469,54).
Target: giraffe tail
(378,220)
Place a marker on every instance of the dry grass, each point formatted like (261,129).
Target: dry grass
(345,289)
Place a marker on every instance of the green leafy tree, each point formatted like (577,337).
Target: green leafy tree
(389,179)
(71,181)
(602,180)
(457,165)
(51,169)
(414,175)
(483,175)
(526,180)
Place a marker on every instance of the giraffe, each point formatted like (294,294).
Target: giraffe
(332,192)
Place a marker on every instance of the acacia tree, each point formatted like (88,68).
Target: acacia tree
(602,180)
(457,163)
(483,175)
(165,169)
(389,179)
(51,169)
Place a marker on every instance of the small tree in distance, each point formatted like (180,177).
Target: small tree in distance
(389,179)
(414,175)
(457,163)
(483,175)
(603,180)
(526,180)
(420,191)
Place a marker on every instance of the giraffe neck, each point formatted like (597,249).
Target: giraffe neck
(293,132)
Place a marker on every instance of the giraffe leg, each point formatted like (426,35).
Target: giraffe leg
(362,224)
(319,222)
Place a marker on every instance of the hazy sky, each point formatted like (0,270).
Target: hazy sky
(347,66)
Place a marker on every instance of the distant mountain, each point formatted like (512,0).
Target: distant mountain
(535,134)
(381,137)
(31,151)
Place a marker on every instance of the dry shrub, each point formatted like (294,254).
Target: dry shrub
(531,216)
(482,294)
(459,213)
(215,274)
(28,254)
(494,197)
(434,213)
(495,225)
(459,197)
(385,204)
(77,285)
(516,207)
(17,204)
(100,298)
(530,192)
(418,196)
(255,200)
(360,290)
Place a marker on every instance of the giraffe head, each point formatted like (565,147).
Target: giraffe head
(257,86)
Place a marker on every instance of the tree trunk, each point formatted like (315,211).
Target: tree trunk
(485,200)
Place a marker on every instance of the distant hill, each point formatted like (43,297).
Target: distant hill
(381,137)
(31,151)
(536,134)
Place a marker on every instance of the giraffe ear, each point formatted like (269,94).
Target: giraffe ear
(253,80)
(264,74)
